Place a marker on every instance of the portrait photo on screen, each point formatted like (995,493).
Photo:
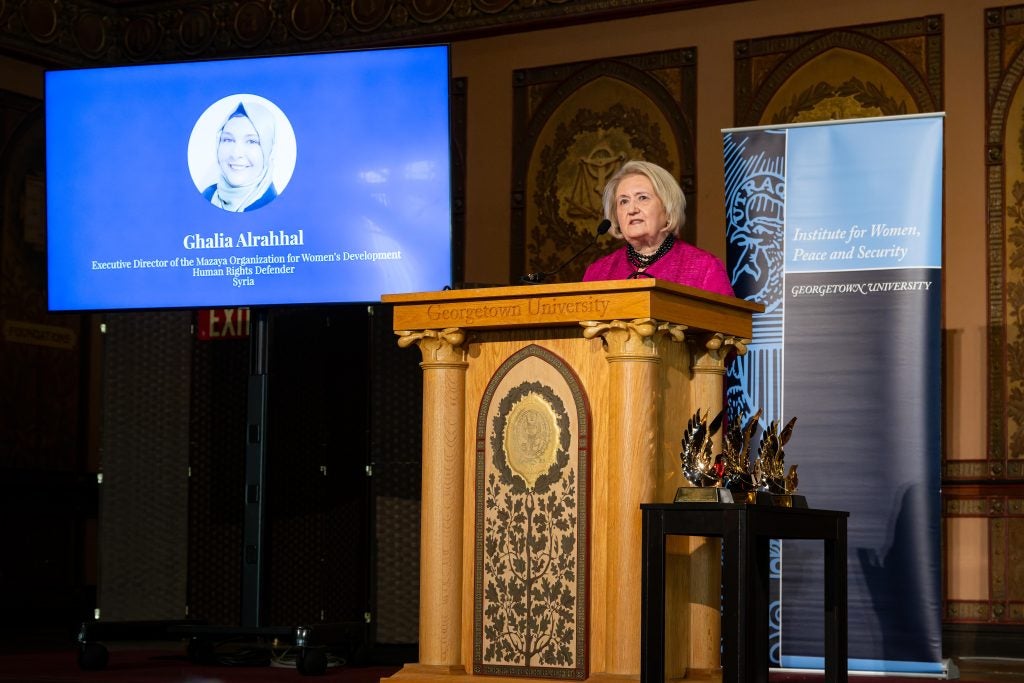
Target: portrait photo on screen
(241,153)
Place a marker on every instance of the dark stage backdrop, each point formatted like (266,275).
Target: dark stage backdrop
(343,458)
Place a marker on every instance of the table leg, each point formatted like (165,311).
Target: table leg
(652,601)
(734,597)
(757,613)
(836,654)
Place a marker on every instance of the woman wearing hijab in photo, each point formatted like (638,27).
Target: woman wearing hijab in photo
(645,206)
(245,146)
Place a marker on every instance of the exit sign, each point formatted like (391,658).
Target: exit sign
(223,323)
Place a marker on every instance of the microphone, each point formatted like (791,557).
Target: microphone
(537,278)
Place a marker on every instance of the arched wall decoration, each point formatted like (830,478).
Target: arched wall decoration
(574,126)
(872,70)
(1004,110)
(864,71)
(788,79)
(532,520)
(989,504)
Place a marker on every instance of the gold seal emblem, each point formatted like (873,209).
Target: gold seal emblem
(531,437)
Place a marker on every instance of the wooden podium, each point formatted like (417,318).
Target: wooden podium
(550,413)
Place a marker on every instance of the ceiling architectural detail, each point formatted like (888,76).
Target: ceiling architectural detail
(87,33)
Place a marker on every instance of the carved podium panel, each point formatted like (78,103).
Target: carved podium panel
(550,413)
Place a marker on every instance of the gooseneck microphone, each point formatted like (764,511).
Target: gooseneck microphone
(537,278)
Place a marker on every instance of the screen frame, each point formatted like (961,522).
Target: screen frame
(453,233)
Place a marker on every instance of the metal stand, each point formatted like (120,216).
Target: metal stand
(255,470)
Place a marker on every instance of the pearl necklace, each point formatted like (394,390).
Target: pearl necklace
(644,261)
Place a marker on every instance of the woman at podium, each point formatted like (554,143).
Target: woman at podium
(646,208)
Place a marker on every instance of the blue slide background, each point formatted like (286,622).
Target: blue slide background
(372,174)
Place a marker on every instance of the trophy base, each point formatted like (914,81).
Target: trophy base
(702,494)
(788,500)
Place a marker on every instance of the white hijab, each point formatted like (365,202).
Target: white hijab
(236,198)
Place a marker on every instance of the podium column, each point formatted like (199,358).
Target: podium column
(632,353)
(444,400)
(709,355)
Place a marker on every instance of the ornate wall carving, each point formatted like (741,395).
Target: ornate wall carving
(992,508)
(840,73)
(84,32)
(1004,109)
(574,126)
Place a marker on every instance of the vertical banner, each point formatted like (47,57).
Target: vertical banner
(836,228)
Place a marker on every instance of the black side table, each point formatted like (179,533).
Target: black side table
(745,531)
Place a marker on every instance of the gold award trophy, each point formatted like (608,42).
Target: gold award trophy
(702,469)
(729,477)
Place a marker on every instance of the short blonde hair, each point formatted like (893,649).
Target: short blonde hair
(665,186)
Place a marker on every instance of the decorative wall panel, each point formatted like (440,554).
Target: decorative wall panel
(574,126)
(886,69)
(1004,109)
(1002,508)
(990,487)
(840,73)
